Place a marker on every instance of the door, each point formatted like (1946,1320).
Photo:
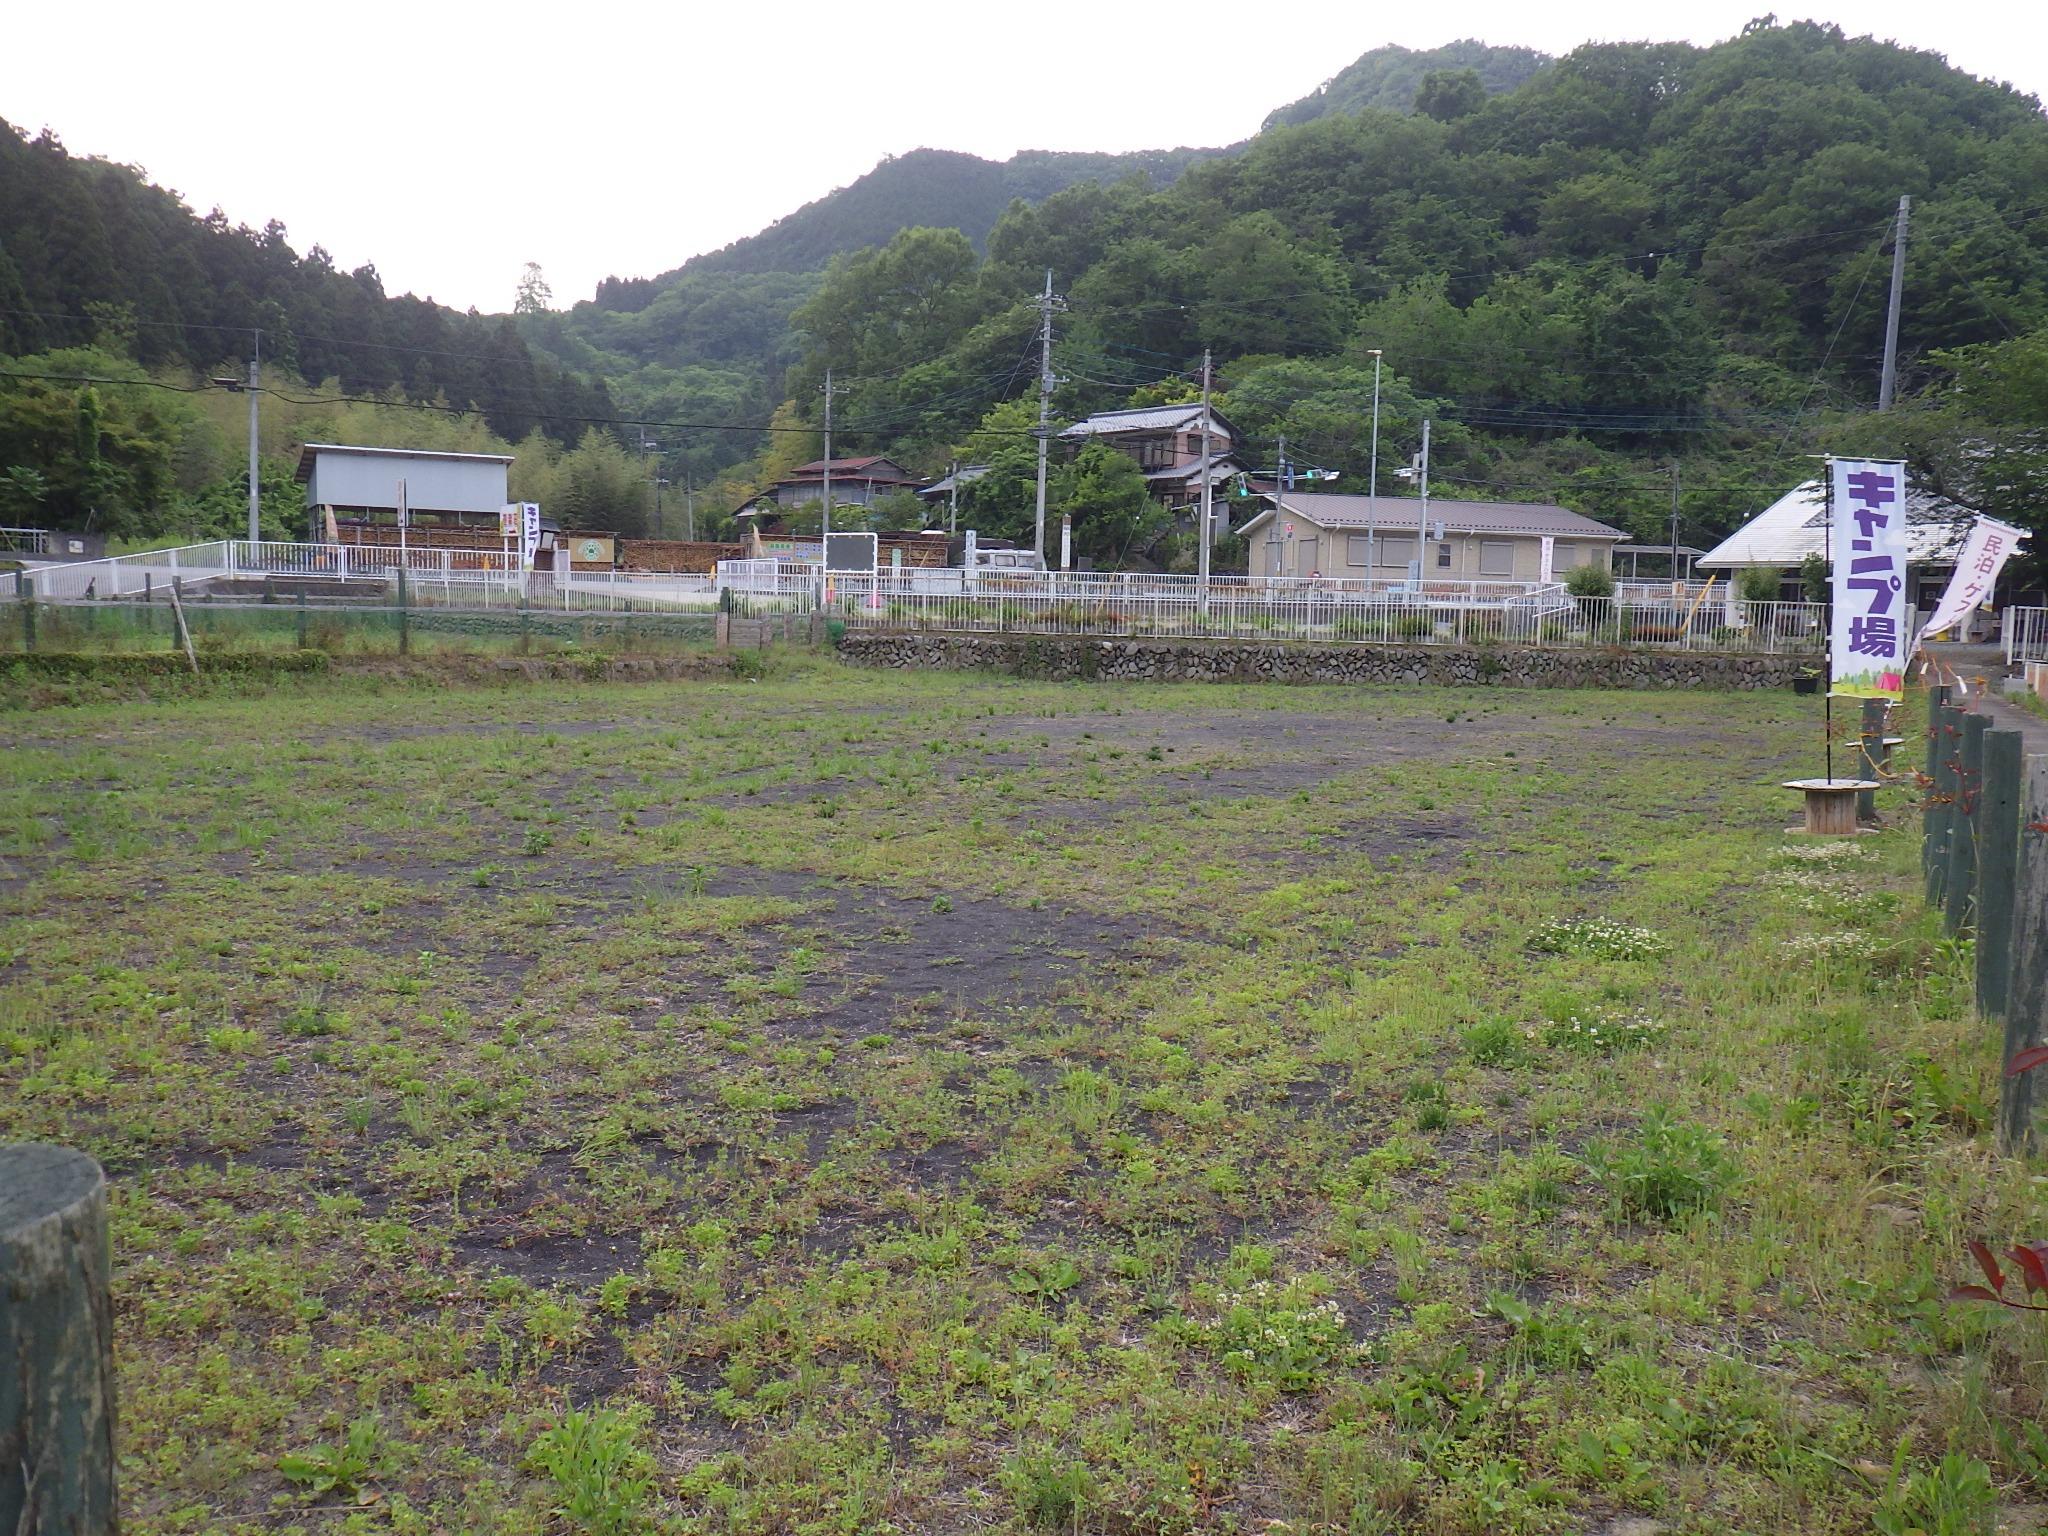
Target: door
(1305,561)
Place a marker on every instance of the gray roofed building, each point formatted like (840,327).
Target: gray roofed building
(1399,512)
(942,487)
(1376,538)
(1151,418)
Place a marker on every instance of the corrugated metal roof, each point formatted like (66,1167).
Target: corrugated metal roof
(1399,513)
(969,473)
(1221,468)
(1147,418)
(309,451)
(1795,526)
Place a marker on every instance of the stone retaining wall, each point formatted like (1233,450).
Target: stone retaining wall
(1172,661)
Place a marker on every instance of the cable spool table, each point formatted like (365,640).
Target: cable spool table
(1831,804)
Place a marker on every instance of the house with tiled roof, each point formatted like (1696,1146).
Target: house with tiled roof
(1166,442)
(855,483)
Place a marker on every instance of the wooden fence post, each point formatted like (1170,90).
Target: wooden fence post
(1936,800)
(56,1337)
(2026,1016)
(1998,851)
(404,617)
(1959,901)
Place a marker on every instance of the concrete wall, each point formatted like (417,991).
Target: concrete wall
(1065,656)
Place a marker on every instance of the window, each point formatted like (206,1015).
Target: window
(1496,558)
(1565,556)
(1443,557)
(1357,547)
(1395,552)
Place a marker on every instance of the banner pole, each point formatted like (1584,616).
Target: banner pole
(1828,619)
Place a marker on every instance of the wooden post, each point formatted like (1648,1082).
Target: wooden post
(2026,1017)
(1998,851)
(404,617)
(525,628)
(1872,748)
(24,597)
(57,1341)
(184,630)
(1959,894)
(302,615)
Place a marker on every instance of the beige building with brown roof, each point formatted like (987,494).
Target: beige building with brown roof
(1374,538)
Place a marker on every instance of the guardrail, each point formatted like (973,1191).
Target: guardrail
(24,541)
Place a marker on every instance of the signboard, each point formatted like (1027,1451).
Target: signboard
(1867,542)
(1983,556)
(1546,563)
(508,520)
(851,554)
(529,533)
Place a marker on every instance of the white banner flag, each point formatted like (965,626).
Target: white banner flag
(1867,648)
(529,533)
(1983,556)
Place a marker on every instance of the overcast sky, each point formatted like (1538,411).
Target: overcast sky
(451,145)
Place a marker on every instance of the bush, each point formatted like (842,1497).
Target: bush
(1757,584)
(1589,581)
(1673,1169)
(601,1475)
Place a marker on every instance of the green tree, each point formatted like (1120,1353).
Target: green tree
(1114,516)
(1449,94)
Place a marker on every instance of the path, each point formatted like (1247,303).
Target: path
(1980,668)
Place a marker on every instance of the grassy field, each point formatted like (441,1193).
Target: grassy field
(849,1103)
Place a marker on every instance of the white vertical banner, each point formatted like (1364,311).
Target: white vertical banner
(1548,561)
(1984,553)
(529,533)
(1867,542)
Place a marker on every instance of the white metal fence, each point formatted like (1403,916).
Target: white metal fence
(361,574)
(1449,612)
(2026,635)
(1305,611)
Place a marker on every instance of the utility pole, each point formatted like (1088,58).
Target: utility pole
(648,470)
(255,387)
(1674,526)
(1045,383)
(1891,319)
(1202,543)
(1372,484)
(825,526)
(953,500)
(1422,520)
(689,509)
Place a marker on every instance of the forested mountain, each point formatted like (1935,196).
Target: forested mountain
(1388,79)
(91,251)
(711,339)
(1645,256)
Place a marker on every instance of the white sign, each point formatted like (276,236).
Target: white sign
(529,533)
(508,520)
(1548,559)
(1983,556)
(1867,543)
